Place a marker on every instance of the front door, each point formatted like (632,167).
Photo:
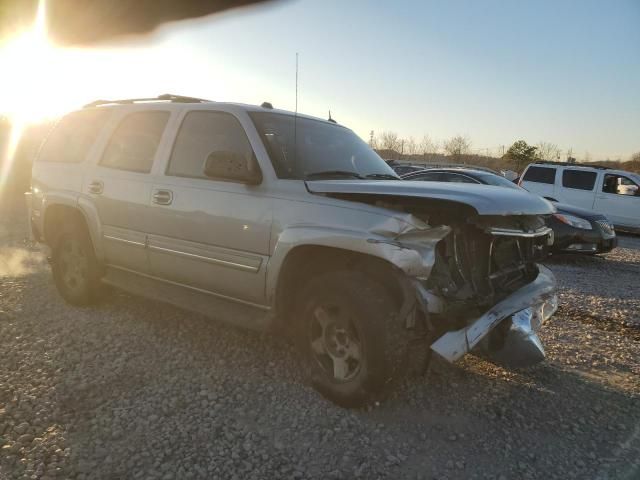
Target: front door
(619,199)
(207,233)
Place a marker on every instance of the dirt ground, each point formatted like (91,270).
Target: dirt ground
(136,389)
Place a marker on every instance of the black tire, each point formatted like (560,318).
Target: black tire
(76,271)
(362,319)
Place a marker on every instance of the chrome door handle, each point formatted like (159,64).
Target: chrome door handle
(163,197)
(96,187)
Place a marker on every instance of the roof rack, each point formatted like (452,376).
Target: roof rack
(550,162)
(167,97)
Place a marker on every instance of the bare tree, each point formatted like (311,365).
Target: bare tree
(389,141)
(548,151)
(427,145)
(410,146)
(457,146)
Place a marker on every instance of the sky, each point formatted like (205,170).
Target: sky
(563,71)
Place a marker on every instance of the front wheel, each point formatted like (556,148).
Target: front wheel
(353,345)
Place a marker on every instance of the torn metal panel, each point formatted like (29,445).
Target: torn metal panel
(420,241)
(522,346)
(538,295)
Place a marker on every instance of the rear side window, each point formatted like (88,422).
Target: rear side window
(579,179)
(73,136)
(429,177)
(201,134)
(134,144)
(540,175)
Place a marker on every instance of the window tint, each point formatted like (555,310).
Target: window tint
(497,180)
(620,185)
(73,136)
(457,178)
(540,175)
(429,177)
(134,143)
(203,133)
(580,179)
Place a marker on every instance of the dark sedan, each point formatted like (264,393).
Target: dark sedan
(575,229)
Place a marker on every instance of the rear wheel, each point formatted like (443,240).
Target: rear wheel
(76,271)
(353,345)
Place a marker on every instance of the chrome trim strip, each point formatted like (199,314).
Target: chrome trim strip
(196,289)
(518,233)
(123,240)
(215,261)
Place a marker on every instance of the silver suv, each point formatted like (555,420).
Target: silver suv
(272,220)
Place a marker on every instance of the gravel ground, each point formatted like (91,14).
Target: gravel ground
(136,389)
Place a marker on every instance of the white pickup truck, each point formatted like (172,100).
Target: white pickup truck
(614,193)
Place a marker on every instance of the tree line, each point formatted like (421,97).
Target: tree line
(458,149)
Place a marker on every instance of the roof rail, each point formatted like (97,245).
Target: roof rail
(567,164)
(166,97)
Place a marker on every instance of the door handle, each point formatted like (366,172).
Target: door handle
(163,197)
(96,187)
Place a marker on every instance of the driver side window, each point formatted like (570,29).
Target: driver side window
(620,185)
(202,134)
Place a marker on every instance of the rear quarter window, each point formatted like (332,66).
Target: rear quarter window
(540,175)
(73,136)
(579,179)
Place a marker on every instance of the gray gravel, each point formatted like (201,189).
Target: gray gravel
(136,389)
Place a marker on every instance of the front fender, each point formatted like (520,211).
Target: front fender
(412,251)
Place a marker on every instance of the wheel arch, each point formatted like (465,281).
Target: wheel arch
(58,209)
(304,262)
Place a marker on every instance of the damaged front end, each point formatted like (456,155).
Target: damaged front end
(485,290)
(470,259)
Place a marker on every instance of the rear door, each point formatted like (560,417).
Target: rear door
(541,180)
(577,187)
(618,198)
(120,186)
(208,233)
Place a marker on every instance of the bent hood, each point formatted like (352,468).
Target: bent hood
(485,199)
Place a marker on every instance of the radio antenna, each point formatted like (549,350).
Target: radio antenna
(295,122)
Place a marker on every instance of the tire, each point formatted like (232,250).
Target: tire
(353,346)
(76,271)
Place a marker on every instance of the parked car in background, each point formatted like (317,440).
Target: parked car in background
(402,168)
(273,220)
(575,229)
(614,193)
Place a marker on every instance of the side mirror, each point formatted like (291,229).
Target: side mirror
(233,167)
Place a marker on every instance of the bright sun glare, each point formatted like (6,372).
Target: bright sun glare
(30,63)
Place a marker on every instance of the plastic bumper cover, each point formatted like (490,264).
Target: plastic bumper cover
(528,308)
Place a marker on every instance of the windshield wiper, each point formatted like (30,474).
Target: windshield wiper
(333,173)
(382,176)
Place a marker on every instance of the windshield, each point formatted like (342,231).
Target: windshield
(497,180)
(313,148)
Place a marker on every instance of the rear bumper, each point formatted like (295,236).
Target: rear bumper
(34,219)
(527,308)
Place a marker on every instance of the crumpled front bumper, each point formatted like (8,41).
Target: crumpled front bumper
(528,308)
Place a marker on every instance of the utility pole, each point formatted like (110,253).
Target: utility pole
(371,139)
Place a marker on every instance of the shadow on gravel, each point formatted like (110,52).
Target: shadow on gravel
(544,422)
(217,384)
